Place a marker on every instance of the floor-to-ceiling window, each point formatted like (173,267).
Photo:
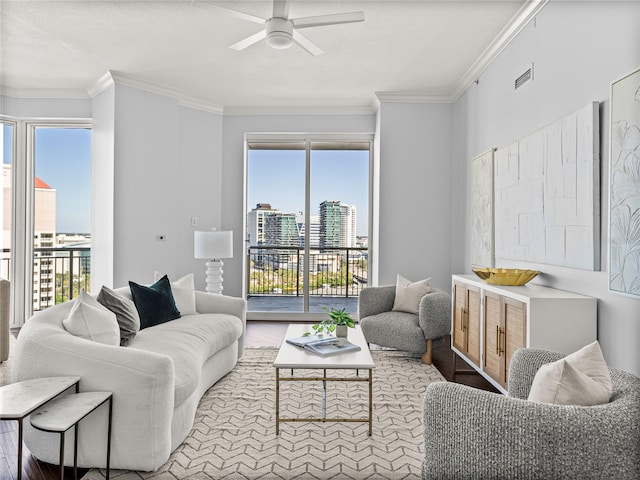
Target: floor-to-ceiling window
(46,212)
(307,224)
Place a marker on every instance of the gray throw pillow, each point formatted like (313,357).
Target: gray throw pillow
(125,311)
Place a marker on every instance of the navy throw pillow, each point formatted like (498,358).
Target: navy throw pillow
(155,304)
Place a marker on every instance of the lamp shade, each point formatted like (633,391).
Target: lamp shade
(216,244)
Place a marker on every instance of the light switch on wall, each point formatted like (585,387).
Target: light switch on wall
(194,221)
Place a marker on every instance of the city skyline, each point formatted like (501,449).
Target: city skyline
(277,177)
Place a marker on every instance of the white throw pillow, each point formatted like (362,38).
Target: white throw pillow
(88,319)
(184,293)
(409,294)
(581,378)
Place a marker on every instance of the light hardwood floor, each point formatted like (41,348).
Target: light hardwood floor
(259,334)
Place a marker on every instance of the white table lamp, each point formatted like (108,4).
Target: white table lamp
(214,246)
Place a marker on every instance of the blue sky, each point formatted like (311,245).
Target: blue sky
(277,177)
(63,161)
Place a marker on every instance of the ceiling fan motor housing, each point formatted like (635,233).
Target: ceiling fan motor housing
(279,33)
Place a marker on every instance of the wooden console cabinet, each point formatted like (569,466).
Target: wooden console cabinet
(490,322)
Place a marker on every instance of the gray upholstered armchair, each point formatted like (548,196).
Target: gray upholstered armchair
(405,331)
(471,433)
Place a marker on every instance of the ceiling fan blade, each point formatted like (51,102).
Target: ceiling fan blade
(331,19)
(281,9)
(307,44)
(247,42)
(236,13)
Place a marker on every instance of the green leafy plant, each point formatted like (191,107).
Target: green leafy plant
(336,317)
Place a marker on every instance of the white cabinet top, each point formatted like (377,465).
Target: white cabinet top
(523,293)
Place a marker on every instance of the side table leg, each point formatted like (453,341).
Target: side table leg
(277,401)
(109,437)
(20,449)
(75,452)
(62,455)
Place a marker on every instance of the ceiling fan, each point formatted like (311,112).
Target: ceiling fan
(280,31)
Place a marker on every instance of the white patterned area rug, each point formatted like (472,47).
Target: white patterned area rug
(234,432)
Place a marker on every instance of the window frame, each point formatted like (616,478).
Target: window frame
(22,220)
(283,141)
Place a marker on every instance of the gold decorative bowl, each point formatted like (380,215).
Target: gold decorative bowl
(505,276)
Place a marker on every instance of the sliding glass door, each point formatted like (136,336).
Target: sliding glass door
(307,224)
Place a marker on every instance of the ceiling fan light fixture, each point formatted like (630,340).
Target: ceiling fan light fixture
(279,40)
(279,33)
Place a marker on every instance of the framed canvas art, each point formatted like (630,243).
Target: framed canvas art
(624,186)
(482,210)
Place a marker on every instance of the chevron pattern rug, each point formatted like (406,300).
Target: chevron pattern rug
(234,432)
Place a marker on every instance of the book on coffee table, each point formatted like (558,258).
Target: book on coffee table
(324,345)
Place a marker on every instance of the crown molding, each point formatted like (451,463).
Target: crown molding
(308,110)
(411,97)
(44,93)
(112,77)
(520,20)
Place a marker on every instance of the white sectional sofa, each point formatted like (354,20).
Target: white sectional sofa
(157,381)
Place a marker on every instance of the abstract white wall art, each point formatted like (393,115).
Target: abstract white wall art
(482,210)
(547,200)
(624,181)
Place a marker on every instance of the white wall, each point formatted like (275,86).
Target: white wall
(166,169)
(415,181)
(578,49)
(233,201)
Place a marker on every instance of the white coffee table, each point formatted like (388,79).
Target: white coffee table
(18,400)
(293,358)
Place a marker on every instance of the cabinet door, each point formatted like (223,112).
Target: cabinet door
(473,324)
(515,325)
(459,313)
(494,364)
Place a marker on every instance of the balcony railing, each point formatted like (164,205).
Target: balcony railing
(333,271)
(59,274)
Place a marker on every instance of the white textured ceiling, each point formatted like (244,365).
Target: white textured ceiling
(423,46)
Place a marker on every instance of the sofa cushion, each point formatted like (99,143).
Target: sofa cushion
(88,319)
(190,341)
(581,378)
(184,293)
(409,294)
(155,304)
(125,312)
(405,333)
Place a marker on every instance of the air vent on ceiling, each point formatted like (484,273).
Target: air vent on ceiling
(524,78)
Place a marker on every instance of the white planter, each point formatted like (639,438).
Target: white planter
(341,330)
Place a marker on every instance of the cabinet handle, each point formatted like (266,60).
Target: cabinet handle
(463,323)
(499,348)
(497,339)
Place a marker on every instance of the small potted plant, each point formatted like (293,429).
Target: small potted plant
(338,321)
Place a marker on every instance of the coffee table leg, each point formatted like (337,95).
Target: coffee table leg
(370,400)
(277,401)
(324,395)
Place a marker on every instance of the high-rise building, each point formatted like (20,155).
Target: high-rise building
(281,229)
(44,233)
(255,223)
(347,225)
(330,224)
(314,229)
(337,224)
